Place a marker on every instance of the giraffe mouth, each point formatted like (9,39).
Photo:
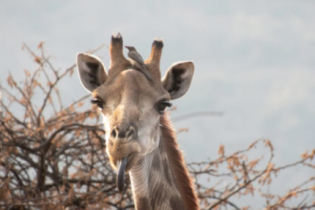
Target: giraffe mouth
(121,165)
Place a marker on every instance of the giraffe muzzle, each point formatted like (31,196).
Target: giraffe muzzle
(121,165)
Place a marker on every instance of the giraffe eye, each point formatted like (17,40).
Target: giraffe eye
(98,102)
(160,107)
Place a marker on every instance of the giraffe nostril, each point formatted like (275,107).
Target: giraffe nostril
(123,132)
(114,133)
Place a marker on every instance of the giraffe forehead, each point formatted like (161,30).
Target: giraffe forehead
(131,85)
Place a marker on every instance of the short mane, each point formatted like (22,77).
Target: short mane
(178,165)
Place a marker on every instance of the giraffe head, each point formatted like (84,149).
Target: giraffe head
(131,104)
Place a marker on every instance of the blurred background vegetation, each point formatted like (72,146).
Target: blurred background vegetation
(254,79)
(53,156)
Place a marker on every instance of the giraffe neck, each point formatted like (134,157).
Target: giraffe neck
(160,180)
(153,183)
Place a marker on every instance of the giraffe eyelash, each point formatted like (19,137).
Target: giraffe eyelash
(161,105)
(98,102)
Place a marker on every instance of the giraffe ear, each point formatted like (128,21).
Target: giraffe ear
(91,71)
(178,78)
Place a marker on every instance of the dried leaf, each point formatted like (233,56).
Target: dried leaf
(71,72)
(236,161)
(270,167)
(11,82)
(40,45)
(304,154)
(27,73)
(80,104)
(312,154)
(253,163)
(37,60)
(253,144)
(71,108)
(221,150)
(23,101)
(268,144)
(35,83)
(182,130)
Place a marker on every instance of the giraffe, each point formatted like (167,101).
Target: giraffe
(139,136)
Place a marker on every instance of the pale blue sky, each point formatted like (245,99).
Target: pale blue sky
(255,61)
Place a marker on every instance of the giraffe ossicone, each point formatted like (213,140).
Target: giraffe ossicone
(140,139)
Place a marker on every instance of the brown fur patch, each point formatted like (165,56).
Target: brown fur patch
(167,173)
(157,196)
(156,161)
(140,161)
(161,147)
(178,166)
(143,204)
(151,176)
(176,203)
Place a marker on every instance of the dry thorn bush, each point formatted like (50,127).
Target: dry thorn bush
(52,156)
